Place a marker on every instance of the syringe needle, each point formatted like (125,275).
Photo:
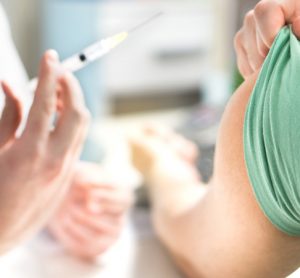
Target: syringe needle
(148,20)
(97,50)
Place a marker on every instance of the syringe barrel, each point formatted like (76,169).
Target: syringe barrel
(74,63)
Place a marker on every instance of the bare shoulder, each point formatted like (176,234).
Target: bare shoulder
(246,228)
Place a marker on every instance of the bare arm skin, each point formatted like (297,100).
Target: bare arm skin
(217,230)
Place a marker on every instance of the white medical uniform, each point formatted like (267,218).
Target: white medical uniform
(11,68)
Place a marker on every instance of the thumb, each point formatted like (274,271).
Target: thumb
(11,116)
(296,27)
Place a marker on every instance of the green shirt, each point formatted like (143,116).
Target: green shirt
(272,134)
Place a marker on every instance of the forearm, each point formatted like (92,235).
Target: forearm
(19,224)
(200,224)
(13,232)
(179,210)
(174,191)
(22,216)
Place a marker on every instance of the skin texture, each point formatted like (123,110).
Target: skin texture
(214,230)
(48,162)
(261,25)
(91,217)
(36,168)
(219,230)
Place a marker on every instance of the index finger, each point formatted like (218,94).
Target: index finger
(72,123)
(270,17)
(44,104)
(291,9)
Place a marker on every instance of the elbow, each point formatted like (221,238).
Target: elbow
(175,240)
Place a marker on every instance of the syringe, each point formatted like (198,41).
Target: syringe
(96,50)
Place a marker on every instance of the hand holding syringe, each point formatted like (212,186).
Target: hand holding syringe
(96,51)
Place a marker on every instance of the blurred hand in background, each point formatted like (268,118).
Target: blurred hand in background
(154,143)
(91,218)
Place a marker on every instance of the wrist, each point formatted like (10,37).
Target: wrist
(171,172)
(174,186)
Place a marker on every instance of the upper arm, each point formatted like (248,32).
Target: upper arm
(227,234)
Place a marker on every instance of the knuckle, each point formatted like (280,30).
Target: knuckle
(80,115)
(262,8)
(54,166)
(48,106)
(249,18)
(238,40)
(45,104)
(263,51)
(36,151)
(76,114)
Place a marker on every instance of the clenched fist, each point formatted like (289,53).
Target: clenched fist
(261,25)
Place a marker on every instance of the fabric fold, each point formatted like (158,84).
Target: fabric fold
(272,134)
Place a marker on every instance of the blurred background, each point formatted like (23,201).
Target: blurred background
(179,71)
(162,66)
(182,61)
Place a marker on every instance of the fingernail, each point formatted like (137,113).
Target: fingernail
(52,55)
